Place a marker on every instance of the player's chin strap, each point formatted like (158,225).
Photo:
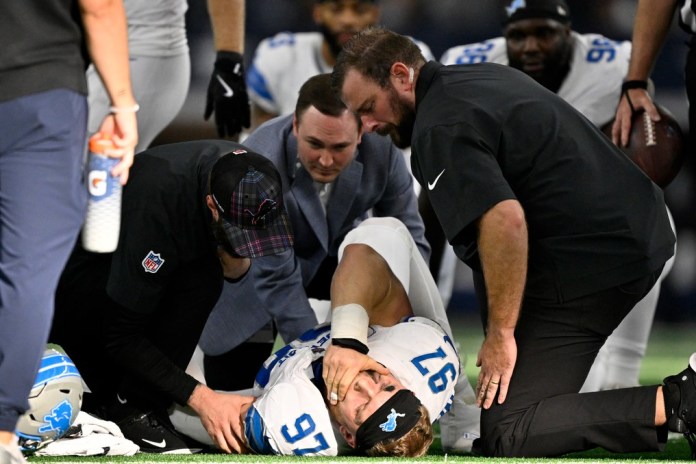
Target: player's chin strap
(349,325)
(394,419)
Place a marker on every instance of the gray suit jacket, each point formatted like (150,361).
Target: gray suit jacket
(376,182)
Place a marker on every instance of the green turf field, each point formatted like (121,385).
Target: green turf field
(668,351)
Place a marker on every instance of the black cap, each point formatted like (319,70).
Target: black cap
(247,191)
(531,9)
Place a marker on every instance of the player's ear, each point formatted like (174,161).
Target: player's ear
(295,123)
(211,206)
(347,436)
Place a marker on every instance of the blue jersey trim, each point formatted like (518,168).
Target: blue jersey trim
(254,431)
(257,83)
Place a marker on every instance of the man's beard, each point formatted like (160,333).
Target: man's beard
(335,46)
(401,132)
(221,237)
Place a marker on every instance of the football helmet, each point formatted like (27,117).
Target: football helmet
(54,401)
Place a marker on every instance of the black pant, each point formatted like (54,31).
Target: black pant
(543,414)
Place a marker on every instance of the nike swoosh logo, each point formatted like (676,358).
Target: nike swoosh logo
(228,90)
(121,400)
(161,444)
(432,185)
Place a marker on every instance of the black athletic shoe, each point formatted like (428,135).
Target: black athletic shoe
(156,435)
(680,401)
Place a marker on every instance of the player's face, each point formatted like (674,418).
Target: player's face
(365,395)
(339,20)
(326,144)
(539,47)
(381,110)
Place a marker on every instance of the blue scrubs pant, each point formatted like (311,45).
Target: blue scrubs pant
(42,206)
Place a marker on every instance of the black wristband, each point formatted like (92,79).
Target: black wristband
(628,85)
(351,343)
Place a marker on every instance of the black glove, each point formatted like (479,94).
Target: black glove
(227,95)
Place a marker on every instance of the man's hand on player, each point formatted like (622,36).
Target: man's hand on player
(220,414)
(227,95)
(341,366)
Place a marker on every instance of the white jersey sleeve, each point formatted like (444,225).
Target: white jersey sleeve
(425,50)
(290,417)
(280,66)
(593,84)
(489,51)
(423,357)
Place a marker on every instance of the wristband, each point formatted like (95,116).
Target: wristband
(124,109)
(350,321)
(635,84)
(350,343)
(628,85)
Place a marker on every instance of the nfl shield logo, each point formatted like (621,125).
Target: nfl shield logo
(152,262)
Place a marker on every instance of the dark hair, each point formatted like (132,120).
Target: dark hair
(372,53)
(414,444)
(317,92)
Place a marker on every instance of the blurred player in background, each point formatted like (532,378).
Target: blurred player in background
(282,63)
(587,71)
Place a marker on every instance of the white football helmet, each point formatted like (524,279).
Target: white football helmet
(54,401)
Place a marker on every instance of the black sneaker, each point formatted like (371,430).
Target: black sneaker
(681,393)
(155,434)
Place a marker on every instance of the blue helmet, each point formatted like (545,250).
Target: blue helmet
(54,401)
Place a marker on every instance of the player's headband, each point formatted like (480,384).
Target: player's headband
(391,421)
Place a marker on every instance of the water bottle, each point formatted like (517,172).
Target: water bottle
(103,220)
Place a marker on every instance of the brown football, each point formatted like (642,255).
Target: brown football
(656,147)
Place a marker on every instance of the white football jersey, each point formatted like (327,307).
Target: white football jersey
(290,416)
(284,62)
(593,85)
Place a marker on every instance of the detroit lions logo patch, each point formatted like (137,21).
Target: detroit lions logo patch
(152,262)
(390,424)
(58,419)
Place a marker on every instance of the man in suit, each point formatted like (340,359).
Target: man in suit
(333,177)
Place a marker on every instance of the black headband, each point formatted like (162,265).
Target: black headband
(391,421)
(533,9)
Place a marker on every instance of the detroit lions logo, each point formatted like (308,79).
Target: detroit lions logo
(390,425)
(58,419)
(514,6)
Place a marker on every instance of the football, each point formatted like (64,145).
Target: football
(656,147)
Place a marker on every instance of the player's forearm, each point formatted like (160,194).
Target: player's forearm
(652,22)
(503,248)
(107,41)
(228,21)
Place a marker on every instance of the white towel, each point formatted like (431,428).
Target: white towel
(90,436)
